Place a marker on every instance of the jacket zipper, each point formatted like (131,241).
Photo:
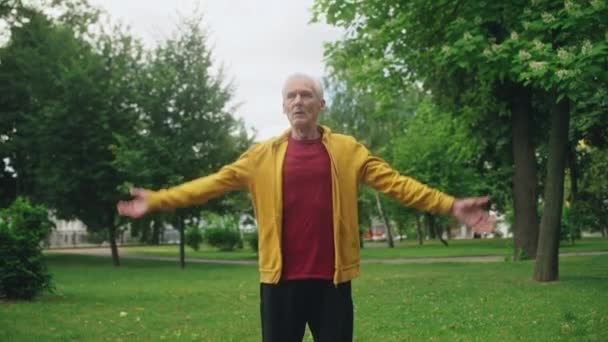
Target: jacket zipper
(278,159)
(334,194)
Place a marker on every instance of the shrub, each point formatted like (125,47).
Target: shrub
(224,239)
(194,237)
(572,219)
(252,240)
(23,227)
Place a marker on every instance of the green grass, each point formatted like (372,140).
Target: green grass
(407,302)
(206,252)
(501,247)
(403,249)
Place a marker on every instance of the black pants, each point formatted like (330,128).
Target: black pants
(288,306)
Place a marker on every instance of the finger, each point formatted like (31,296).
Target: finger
(482,201)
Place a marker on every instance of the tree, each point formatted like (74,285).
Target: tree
(375,122)
(445,46)
(75,92)
(440,153)
(568,65)
(185,129)
(485,58)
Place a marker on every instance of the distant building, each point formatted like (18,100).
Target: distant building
(74,233)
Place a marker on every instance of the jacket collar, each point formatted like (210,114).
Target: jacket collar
(285,135)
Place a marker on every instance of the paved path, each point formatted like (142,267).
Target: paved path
(105,252)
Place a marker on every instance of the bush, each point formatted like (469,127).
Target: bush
(252,240)
(98,237)
(23,273)
(224,239)
(194,237)
(572,219)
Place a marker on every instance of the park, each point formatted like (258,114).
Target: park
(468,142)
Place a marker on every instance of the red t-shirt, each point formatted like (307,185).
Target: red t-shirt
(307,237)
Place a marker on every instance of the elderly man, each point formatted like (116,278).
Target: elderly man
(304,191)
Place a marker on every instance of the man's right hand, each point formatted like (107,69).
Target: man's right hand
(137,206)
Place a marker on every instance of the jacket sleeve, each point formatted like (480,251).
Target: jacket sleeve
(377,174)
(235,176)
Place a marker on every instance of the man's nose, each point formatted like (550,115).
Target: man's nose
(298,98)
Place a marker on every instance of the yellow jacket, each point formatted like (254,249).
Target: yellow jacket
(259,170)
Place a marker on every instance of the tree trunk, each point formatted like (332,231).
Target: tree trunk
(143,226)
(573,171)
(182,240)
(430,226)
(547,265)
(389,233)
(419,231)
(361,239)
(436,231)
(525,225)
(156,228)
(113,247)
(440,235)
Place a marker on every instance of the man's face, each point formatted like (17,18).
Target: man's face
(301,104)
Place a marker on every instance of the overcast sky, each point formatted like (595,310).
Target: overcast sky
(260,42)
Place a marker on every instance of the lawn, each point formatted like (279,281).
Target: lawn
(149,300)
(403,249)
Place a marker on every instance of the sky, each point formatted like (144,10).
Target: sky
(259,43)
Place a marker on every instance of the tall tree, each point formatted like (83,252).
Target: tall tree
(185,129)
(440,153)
(75,92)
(449,47)
(478,58)
(373,120)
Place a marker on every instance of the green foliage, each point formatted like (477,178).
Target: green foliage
(69,88)
(85,107)
(377,122)
(224,239)
(438,152)
(252,241)
(592,200)
(186,129)
(221,232)
(194,237)
(23,227)
(573,218)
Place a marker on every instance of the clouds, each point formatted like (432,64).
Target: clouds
(259,42)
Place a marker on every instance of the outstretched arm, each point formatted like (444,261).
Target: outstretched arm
(235,176)
(382,177)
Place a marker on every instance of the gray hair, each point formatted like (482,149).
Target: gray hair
(316,84)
